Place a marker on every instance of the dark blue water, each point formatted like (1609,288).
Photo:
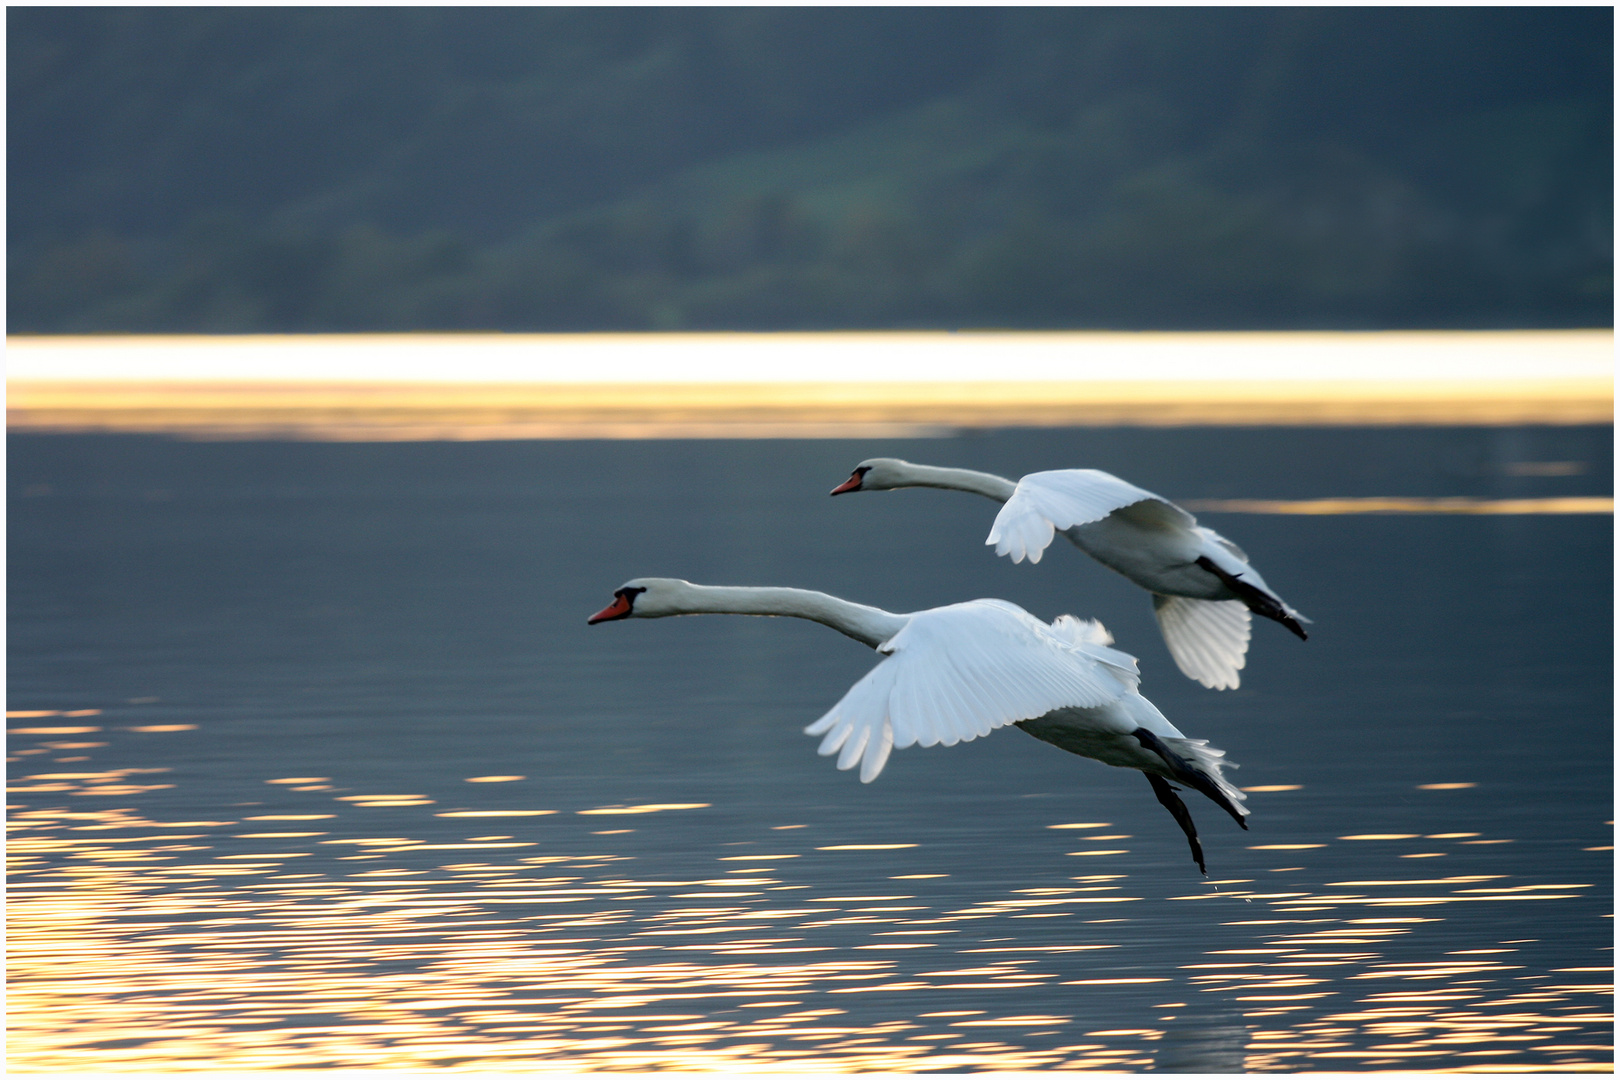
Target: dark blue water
(373,625)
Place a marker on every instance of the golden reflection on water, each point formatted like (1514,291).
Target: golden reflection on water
(839,385)
(328,939)
(1384,504)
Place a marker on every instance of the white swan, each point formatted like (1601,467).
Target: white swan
(1202,584)
(955,673)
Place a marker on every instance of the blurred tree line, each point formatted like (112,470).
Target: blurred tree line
(345,169)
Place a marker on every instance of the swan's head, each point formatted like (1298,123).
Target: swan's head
(642,598)
(876,474)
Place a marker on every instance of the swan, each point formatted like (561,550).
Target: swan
(951,674)
(1202,584)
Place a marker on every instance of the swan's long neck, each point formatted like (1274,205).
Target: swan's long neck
(986,484)
(869,625)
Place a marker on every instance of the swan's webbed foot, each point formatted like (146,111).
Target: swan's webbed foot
(1172,802)
(1256,601)
(1186,774)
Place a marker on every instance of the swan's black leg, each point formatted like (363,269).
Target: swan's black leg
(1182,771)
(1172,802)
(1256,601)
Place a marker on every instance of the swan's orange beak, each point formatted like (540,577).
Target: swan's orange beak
(616,610)
(852,484)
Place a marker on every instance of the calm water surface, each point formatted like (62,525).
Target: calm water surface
(315,763)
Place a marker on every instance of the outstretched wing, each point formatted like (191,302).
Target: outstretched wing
(959,672)
(1209,639)
(1063,498)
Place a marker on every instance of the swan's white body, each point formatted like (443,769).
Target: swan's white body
(952,674)
(1189,569)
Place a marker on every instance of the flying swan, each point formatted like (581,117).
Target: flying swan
(954,673)
(1202,584)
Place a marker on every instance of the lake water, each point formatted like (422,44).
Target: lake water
(315,763)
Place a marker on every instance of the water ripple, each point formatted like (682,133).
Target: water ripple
(357,933)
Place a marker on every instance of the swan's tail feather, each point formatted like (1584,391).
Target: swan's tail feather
(1198,765)
(1260,601)
(1209,762)
(1289,618)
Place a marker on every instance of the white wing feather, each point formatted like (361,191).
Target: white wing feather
(955,673)
(1081,631)
(1045,501)
(1092,638)
(1209,639)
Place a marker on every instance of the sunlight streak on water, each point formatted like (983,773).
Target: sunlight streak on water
(832,357)
(411,387)
(1581,504)
(139,943)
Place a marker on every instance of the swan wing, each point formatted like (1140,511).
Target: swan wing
(1208,639)
(1061,499)
(954,674)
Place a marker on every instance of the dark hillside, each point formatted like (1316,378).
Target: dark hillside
(239,169)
